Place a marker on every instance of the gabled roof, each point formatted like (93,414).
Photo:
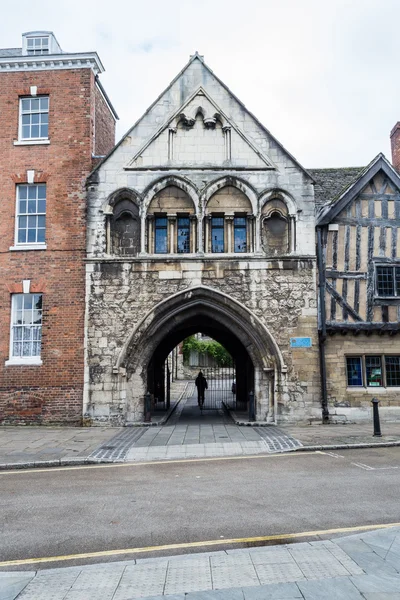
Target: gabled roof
(200,58)
(379,163)
(331,183)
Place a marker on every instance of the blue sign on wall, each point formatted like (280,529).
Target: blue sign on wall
(300,342)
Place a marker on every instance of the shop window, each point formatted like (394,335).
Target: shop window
(373,368)
(373,371)
(354,371)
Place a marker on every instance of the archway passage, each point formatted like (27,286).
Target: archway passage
(230,385)
(219,316)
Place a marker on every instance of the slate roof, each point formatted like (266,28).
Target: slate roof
(331,183)
(10,52)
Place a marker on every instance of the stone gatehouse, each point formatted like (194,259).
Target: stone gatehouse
(200,220)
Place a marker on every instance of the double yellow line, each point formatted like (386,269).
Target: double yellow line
(190,545)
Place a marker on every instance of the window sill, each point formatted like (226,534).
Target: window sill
(369,389)
(31,361)
(39,142)
(29,247)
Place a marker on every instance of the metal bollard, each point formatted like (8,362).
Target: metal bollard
(377,425)
(147,407)
(252,415)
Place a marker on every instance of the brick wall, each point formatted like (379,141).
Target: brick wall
(104,125)
(53,391)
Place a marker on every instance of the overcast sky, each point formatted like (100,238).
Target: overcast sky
(322,76)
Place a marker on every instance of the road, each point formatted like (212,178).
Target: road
(69,511)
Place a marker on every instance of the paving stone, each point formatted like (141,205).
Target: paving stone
(11,584)
(371,563)
(233,576)
(272,556)
(231,594)
(329,589)
(278,573)
(282,591)
(377,583)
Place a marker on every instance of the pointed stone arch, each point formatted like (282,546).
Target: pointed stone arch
(230,180)
(280,194)
(256,337)
(170,180)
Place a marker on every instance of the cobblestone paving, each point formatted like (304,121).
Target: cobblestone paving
(276,439)
(117,448)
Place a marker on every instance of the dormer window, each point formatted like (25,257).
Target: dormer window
(37,45)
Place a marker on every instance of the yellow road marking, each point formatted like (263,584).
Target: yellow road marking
(266,538)
(152,462)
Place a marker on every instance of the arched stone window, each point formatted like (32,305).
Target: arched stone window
(229,222)
(275,228)
(125,228)
(171,222)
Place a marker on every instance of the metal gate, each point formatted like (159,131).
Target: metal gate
(221,387)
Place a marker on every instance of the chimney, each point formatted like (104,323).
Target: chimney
(395,143)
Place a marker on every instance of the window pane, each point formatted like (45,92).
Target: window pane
(31,206)
(183,234)
(44,103)
(161,236)
(392,364)
(26,132)
(41,236)
(41,206)
(44,130)
(25,104)
(31,236)
(398,281)
(217,234)
(354,371)
(41,191)
(240,234)
(35,103)
(35,131)
(35,119)
(22,206)
(23,192)
(384,281)
(21,236)
(374,371)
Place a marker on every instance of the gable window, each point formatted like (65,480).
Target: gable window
(26,326)
(37,45)
(183,241)
(240,234)
(160,234)
(373,371)
(388,281)
(34,118)
(217,234)
(31,214)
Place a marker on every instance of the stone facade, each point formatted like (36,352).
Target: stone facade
(198,154)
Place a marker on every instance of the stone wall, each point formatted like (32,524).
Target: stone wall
(282,296)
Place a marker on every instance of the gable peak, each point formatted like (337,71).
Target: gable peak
(193,57)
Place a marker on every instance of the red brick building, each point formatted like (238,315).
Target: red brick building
(56,120)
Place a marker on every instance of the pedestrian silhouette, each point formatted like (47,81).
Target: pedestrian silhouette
(201,384)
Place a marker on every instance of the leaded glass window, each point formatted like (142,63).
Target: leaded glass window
(161,235)
(240,234)
(354,371)
(217,234)
(183,234)
(373,368)
(392,364)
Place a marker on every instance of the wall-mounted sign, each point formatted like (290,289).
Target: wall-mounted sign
(300,342)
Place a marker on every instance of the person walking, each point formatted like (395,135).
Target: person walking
(201,384)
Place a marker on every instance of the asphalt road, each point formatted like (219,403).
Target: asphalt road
(92,509)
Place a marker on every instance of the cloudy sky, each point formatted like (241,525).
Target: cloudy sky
(322,76)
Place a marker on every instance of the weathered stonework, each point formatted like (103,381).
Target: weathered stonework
(197,153)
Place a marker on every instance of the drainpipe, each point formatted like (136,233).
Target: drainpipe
(322,326)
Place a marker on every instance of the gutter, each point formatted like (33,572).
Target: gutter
(322,326)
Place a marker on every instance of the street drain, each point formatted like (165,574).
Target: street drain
(107,448)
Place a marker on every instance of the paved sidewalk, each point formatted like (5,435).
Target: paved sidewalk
(365,566)
(187,434)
